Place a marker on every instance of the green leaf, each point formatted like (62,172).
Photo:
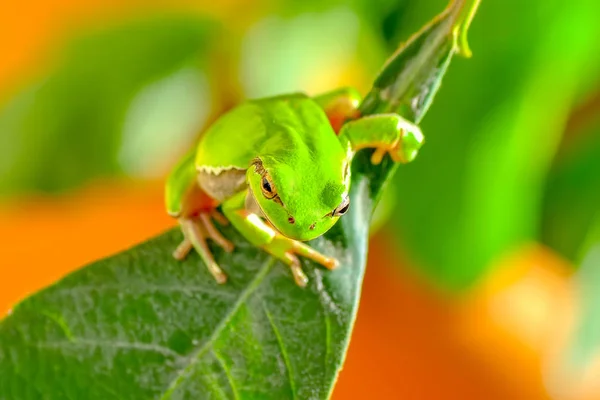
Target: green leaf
(572,195)
(411,77)
(143,325)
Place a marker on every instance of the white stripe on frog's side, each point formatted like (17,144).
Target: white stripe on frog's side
(217,170)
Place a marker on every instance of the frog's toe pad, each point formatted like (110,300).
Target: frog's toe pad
(331,263)
(184,248)
(218,274)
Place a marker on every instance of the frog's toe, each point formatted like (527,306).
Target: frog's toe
(288,250)
(294,264)
(378,155)
(220,218)
(382,149)
(308,252)
(212,232)
(182,250)
(331,263)
(217,273)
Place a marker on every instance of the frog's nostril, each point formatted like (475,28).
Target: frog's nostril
(291,220)
(312,227)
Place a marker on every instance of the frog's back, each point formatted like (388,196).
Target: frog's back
(291,127)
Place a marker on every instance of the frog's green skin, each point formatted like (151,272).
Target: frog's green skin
(280,169)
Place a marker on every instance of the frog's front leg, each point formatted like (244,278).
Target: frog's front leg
(386,133)
(257,232)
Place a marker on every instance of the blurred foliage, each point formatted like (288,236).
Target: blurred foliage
(68,127)
(573,194)
(476,190)
(283,55)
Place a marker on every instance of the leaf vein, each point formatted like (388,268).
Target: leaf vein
(82,342)
(223,365)
(127,289)
(284,353)
(262,273)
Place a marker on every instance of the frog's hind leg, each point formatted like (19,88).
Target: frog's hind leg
(194,208)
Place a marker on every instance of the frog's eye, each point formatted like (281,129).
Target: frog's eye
(267,187)
(342,208)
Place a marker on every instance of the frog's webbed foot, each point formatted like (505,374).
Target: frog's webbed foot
(387,134)
(287,250)
(404,148)
(196,230)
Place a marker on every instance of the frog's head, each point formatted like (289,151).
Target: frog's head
(301,203)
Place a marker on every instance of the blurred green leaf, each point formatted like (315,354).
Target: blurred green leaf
(572,196)
(289,54)
(67,127)
(474,192)
(163,118)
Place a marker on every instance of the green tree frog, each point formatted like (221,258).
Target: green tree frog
(279,168)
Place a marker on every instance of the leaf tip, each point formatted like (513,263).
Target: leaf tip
(465,11)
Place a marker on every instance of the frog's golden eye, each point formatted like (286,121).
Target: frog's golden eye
(267,187)
(342,208)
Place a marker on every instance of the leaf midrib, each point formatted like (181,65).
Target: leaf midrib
(262,273)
